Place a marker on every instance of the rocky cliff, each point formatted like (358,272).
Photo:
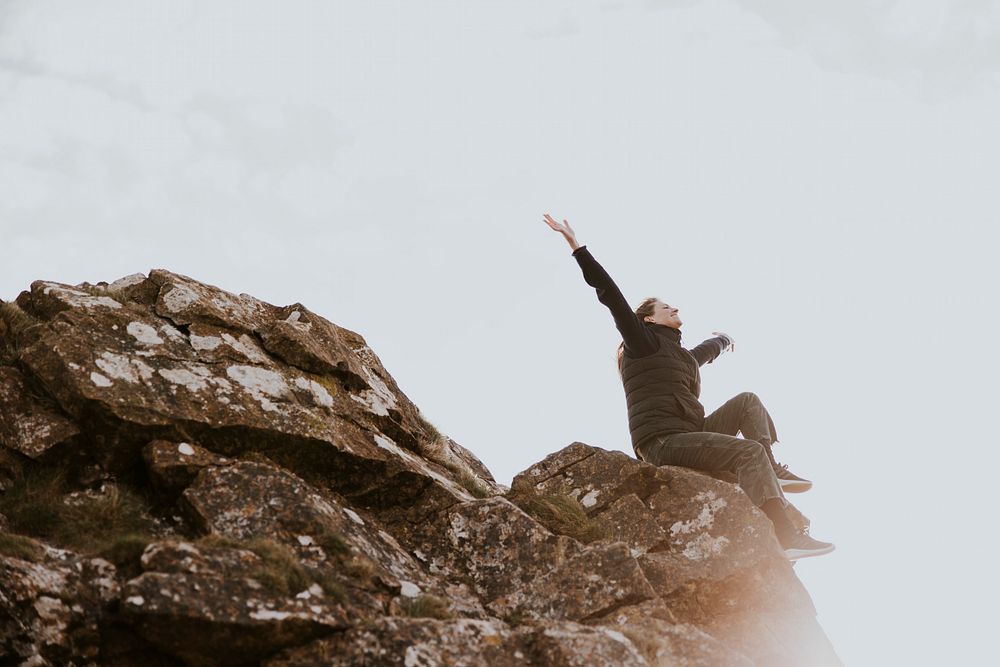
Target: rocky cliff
(191,477)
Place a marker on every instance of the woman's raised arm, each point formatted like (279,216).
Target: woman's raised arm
(638,340)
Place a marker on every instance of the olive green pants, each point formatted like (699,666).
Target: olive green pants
(718,449)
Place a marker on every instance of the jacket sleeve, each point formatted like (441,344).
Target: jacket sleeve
(638,340)
(709,351)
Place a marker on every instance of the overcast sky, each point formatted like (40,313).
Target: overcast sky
(820,182)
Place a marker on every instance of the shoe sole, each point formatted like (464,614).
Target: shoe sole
(794,486)
(796,554)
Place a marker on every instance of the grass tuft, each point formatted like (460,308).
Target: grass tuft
(126,550)
(14,322)
(430,430)
(18,546)
(471,483)
(559,513)
(280,571)
(425,606)
(359,567)
(40,504)
(333,544)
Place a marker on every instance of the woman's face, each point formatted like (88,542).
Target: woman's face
(665,315)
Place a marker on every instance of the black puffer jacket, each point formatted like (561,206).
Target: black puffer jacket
(661,378)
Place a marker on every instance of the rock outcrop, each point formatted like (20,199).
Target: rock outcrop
(194,477)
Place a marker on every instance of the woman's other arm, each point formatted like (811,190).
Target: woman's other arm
(638,340)
(709,350)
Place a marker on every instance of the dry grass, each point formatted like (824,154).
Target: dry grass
(430,430)
(126,550)
(280,571)
(39,504)
(357,566)
(21,547)
(426,606)
(14,322)
(333,544)
(473,484)
(560,514)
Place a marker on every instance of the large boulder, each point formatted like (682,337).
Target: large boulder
(52,603)
(226,617)
(167,357)
(709,554)
(29,424)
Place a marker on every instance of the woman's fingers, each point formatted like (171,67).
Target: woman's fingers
(553,224)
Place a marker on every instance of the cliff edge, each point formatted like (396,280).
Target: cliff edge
(194,477)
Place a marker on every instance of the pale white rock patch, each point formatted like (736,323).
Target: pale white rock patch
(173,332)
(458,527)
(122,367)
(246,345)
(53,619)
(379,399)
(205,342)
(78,298)
(617,636)
(193,378)
(590,499)
(354,516)
(127,281)
(419,656)
(704,546)
(185,449)
(179,297)
(304,540)
(136,600)
(705,517)
(143,333)
(319,393)
(269,615)
(100,380)
(261,383)
(409,589)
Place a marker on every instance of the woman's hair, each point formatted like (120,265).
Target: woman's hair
(645,308)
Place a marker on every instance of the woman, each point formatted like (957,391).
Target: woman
(667,423)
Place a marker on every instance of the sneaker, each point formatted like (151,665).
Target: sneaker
(800,545)
(790,482)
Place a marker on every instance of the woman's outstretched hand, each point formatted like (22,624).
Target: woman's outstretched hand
(563,229)
(730,343)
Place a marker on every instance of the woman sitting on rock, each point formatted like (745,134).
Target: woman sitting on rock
(667,423)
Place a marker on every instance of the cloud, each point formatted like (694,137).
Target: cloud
(128,120)
(938,47)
